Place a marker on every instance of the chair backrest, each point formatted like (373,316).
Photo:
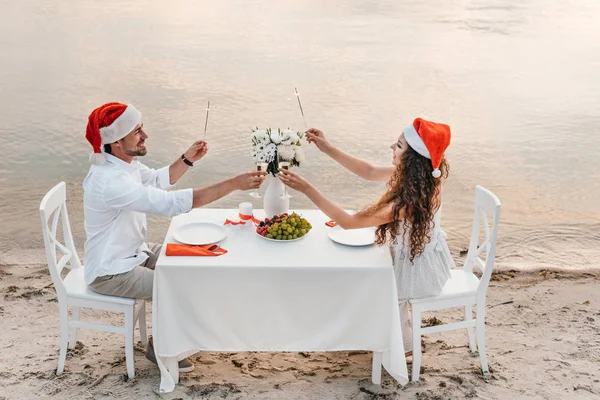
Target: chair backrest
(486,205)
(52,208)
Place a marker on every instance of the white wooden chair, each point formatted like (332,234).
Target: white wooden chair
(464,289)
(72,291)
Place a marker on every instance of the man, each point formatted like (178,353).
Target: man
(118,193)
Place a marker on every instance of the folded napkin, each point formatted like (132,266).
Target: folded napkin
(331,223)
(210,250)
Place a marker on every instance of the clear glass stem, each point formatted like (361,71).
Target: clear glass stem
(259,167)
(284,165)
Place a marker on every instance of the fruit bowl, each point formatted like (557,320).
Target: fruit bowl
(281,240)
(284,228)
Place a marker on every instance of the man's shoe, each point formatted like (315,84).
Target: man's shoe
(185,365)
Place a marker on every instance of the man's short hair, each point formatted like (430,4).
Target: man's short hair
(107,149)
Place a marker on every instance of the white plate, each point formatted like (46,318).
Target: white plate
(280,241)
(353,237)
(198,233)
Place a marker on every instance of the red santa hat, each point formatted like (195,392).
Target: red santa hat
(429,139)
(109,123)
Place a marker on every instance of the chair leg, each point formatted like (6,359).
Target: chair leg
(73,331)
(416,331)
(376,373)
(142,323)
(470,333)
(481,336)
(129,325)
(64,337)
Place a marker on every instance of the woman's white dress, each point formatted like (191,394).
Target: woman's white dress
(425,277)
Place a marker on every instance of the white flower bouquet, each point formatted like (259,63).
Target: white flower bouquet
(273,145)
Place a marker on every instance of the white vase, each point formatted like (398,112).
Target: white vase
(274,204)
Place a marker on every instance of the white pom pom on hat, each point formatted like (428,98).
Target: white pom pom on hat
(97,158)
(107,124)
(429,139)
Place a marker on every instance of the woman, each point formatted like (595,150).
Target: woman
(407,216)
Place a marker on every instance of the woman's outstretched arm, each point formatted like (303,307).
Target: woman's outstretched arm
(361,219)
(353,164)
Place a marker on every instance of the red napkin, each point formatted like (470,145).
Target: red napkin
(243,219)
(331,223)
(210,250)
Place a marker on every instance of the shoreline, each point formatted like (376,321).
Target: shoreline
(542,339)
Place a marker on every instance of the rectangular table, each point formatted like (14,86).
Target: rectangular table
(308,295)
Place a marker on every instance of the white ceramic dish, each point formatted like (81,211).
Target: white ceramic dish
(353,237)
(199,233)
(282,241)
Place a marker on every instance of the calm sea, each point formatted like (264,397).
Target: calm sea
(518,82)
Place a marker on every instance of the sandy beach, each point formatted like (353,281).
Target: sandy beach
(543,338)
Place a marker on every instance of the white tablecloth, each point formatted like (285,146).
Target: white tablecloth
(308,295)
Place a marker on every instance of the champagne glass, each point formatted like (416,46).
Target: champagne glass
(260,166)
(285,165)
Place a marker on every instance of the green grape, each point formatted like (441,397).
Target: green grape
(280,232)
(295,236)
(278,237)
(290,230)
(303,231)
(285,237)
(269,236)
(292,221)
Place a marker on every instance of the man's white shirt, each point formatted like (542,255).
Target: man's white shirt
(117,197)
